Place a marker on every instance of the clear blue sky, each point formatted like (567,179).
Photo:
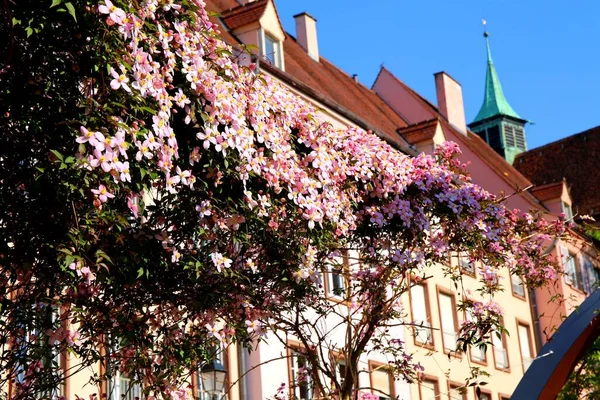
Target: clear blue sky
(546,52)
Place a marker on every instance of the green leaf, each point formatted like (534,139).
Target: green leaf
(55,3)
(56,153)
(71,10)
(29,31)
(140,272)
(16,21)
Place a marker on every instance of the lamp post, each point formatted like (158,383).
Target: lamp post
(213,375)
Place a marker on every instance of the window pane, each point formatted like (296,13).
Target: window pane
(300,377)
(447,311)
(420,317)
(500,354)
(428,390)
(382,382)
(270,49)
(455,393)
(517,286)
(525,346)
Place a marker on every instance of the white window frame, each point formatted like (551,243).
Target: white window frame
(297,387)
(518,287)
(448,320)
(500,352)
(337,286)
(277,54)
(477,353)
(421,315)
(525,345)
(567,210)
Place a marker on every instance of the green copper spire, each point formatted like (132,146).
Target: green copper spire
(494,102)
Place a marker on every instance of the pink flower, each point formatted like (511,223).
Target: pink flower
(85,135)
(115,14)
(120,80)
(220,261)
(102,193)
(132,204)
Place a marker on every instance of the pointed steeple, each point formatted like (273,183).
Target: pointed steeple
(494,102)
(497,123)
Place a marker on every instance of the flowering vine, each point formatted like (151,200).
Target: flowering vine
(204,201)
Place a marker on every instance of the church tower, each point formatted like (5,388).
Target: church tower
(497,123)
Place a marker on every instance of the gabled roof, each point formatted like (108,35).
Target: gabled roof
(494,102)
(576,158)
(363,107)
(551,191)
(244,14)
(419,132)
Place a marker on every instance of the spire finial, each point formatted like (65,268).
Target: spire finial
(487,41)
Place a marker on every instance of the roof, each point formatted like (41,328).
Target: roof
(478,146)
(244,14)
(494,102)
(575,158)
(319,77)
(420,131)
(551,191)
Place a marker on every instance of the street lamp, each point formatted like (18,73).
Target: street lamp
(213,375)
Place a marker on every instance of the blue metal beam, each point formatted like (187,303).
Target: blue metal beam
(551,368)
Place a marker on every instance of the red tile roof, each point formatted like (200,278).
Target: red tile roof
(244,14)
(419,132)
(361,105)
(576,158)
(547,192)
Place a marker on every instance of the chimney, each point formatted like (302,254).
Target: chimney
(450,100)
(306,34)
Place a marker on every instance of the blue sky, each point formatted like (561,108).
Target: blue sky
(547,53)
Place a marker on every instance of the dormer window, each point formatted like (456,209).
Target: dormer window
(567,210)
(272,50)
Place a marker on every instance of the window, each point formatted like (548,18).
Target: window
(567,210)
(590,275)
(456,392)
(571,269)
(34,320)
(120,387)
(500,353)
(482,395)
(493,134)
(428,389)
(478,354)
(421,315)
(448,321)
(509,135)
(382,382)
(301,384)
(518,288)
(466,266)
(525,344)
(341,369)
(272,50)
(336,281)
